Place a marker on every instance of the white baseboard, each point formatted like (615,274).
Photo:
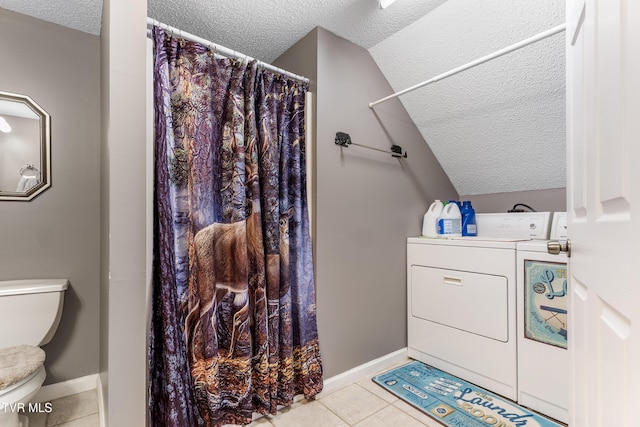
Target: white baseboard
(355,374)
(78,385)
(66,388)
(101,413)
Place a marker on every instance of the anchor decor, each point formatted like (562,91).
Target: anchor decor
(545,305)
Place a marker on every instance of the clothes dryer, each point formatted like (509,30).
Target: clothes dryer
(461,307)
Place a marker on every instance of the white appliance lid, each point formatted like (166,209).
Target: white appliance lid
(519,225)
(477,242)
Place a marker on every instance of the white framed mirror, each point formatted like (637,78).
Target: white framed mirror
(25,148)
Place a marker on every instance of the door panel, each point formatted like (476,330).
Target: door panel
(576,109)
(603,135)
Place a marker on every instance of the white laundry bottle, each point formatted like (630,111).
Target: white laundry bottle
(450,221)
(429,228)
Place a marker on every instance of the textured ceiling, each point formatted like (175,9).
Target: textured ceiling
(83,15)
(497,128)
(265,29)
(261,29)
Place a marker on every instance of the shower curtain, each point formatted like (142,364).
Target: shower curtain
(233,327)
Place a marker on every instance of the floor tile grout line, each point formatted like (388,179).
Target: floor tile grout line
(381,409)
(330,410)
(70,419)
(359,386)
(75,419)
(362,388)
(415,418)
(398,399)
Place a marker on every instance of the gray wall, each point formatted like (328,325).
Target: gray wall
(56,235)
(552,200)
(123,279)
(366,203)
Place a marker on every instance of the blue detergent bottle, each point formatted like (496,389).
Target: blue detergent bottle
(469,227)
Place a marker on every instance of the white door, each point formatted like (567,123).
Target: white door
(603,137)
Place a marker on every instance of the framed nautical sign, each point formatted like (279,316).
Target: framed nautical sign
(545,302)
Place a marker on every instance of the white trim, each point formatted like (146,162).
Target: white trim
(101,413)
(353,375)
(310,169)
(66,388)
(78,385)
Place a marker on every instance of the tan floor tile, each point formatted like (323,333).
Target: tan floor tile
(73,407)
(353,403)
(90,421)
(390,416)
(417,414)
(374,388)
(264,421)
(37,419)
(311,414)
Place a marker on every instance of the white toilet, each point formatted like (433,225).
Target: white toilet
(30,311)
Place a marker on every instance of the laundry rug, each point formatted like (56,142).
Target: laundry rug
(454,402)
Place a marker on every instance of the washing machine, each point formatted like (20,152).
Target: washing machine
(542,302)
(461,306)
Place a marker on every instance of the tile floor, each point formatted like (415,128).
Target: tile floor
(78,410)
(360,404)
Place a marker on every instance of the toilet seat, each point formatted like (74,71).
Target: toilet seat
(21,367)
(22,370)
(18,363)
(24,390)
(19,393)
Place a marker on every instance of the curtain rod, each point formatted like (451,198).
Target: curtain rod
(225,51)
(508,49)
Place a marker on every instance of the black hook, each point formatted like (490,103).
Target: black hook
(344,140)
(396,151)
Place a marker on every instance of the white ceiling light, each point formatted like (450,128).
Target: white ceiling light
(385,3)
(4,126)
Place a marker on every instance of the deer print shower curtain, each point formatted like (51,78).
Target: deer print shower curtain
(233,328)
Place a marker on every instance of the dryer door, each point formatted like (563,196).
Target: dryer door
(471,302)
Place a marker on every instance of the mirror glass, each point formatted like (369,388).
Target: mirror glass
(25,152)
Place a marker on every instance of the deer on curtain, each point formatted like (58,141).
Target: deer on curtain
(233,328)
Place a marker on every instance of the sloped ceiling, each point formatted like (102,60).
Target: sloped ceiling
(497,128)
(83,15)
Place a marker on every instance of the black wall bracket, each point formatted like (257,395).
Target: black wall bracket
(344,140)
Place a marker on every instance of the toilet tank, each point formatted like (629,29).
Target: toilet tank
(30,310)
